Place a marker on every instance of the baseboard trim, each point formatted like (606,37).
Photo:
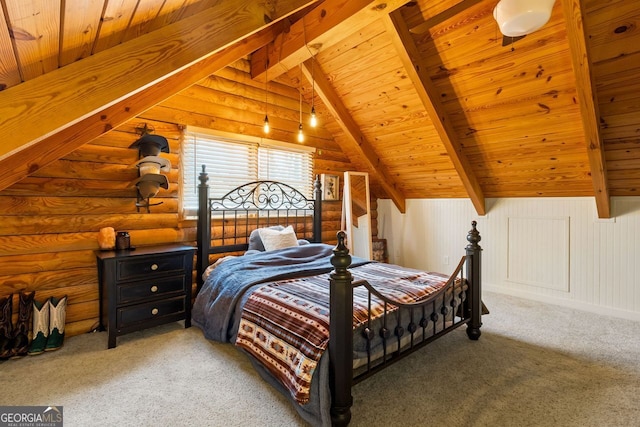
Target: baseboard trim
(564,302)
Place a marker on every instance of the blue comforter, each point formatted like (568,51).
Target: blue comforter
(229,285)
(217,301)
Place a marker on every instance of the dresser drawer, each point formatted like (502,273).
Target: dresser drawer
(140,292)
(144,288)
(133,267)
(131,315)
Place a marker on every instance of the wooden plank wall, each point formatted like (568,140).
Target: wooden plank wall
(50,220)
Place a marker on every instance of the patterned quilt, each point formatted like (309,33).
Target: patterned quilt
(285,324)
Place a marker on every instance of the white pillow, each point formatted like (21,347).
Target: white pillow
(255,243)
(278,239)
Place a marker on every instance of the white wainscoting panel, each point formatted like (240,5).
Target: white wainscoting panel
(538,252)
(596,261)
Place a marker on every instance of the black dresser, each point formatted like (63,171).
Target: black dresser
(145,287)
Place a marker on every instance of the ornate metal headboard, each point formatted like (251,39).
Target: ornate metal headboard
(225,223)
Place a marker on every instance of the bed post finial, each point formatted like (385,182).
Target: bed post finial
(341,258)
(340,331)
(474,307)
(204,176)
(473,237)
(317,210)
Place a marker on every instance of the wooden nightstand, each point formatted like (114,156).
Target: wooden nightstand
(144,287)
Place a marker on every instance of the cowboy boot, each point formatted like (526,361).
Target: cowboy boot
(57,317)
(40,327)
(20,343)
(6,327)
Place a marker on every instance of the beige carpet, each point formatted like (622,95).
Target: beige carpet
(535,365)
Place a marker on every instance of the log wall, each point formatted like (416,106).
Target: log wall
(49,221)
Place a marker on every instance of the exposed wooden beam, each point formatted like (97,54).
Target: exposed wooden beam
(27,161)
(443,16)
(324,26)
(410,56)
(588,101)
(341,114)
(49,116)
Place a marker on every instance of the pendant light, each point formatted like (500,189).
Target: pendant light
(300,132)
(313,121)
(265,127)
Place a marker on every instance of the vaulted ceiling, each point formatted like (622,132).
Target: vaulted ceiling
(421,94)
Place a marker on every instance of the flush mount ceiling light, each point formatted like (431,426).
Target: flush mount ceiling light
(520,17)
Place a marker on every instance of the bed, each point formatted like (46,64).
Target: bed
(279,297)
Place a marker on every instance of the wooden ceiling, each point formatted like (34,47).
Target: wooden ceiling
(421,94)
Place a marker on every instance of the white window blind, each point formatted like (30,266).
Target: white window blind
(231,163)
(291,167)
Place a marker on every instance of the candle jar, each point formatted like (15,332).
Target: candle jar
(123,240)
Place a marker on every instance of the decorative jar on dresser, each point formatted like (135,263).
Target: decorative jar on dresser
(144,287)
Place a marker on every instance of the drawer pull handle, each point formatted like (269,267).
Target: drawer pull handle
(154,267)
(154,288)
(154,311)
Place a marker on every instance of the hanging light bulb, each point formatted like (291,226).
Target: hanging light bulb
(300,132)
(313,121)
(266,127)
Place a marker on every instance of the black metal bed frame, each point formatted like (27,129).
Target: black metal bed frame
(458,303)
(250,206)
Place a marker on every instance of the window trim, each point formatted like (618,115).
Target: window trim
(260,141)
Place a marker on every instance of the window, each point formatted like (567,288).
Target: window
(235,160)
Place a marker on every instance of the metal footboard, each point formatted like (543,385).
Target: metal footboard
(458,303)
(406,327)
